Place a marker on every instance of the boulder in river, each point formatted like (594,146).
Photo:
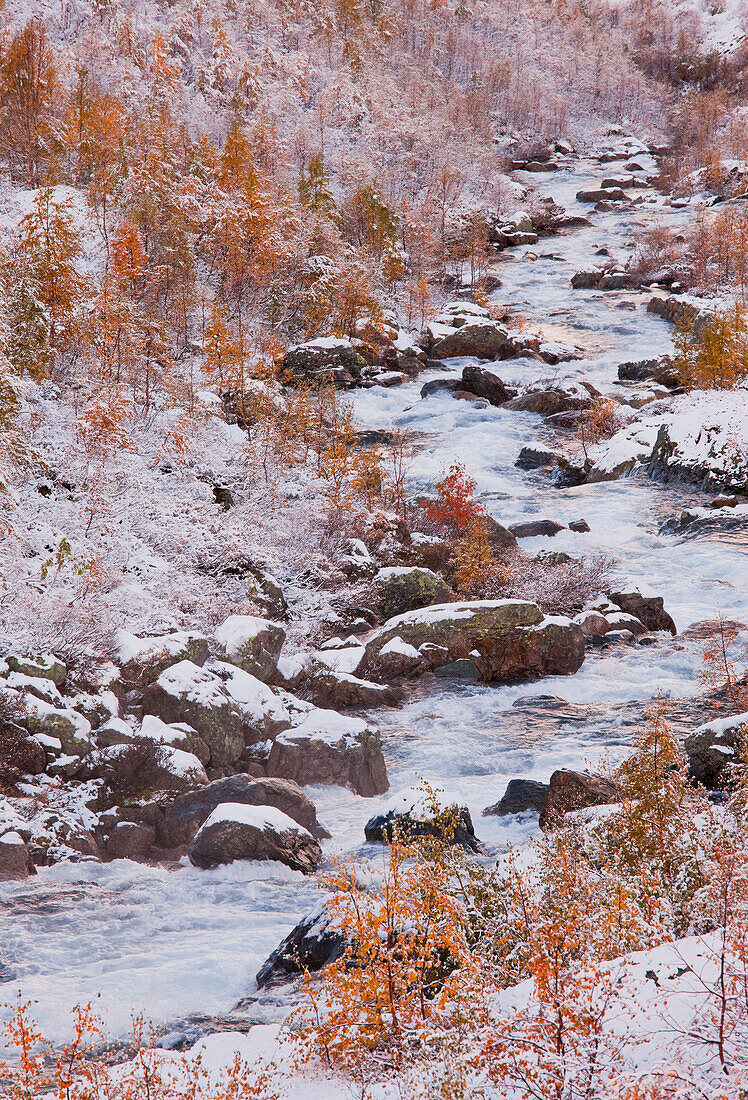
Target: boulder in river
(479,339)
(547,527)
(330,748)
(650,610)
(536,458)
(571,790)
(15,859)
(484,383)
(548,402)
(311,945)
(506,639)
(520,796)
(602,194)
(235,831)
(188,811)
(412,815)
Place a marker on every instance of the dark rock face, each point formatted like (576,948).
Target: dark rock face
(454,825)
(581,526)
(648,609)
(520,796)
(340,690)
(311,945)
(350,759)
(502,540)
(660,371)
(569,790)
(399,591)
(484,383)
(130,840)
(227,839)
(188,812)
(602,194)
(548,527)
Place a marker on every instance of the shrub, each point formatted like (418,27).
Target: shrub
(138,767)
(557,587)
(455,506)
(18,755)
(717,358)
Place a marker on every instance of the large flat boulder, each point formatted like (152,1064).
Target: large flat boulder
(234,831)
(228,707)
(411,816)
(330,748)
(479,339)
(189,811)
(506,639)
(324,360)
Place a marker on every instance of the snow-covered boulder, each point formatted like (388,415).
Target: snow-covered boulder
(15,860)
(406,588)
(506,639)
(713,746)
(228,707)
(308,947)
(188,811)
(252,643)
(327,747)
(235,831)
(143,660)
(412,814)
(62,724)
(326,359)
(176,735)
(44,665)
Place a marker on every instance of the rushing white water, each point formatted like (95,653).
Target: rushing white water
(175,943)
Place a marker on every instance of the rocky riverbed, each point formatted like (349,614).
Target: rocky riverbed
(165,924)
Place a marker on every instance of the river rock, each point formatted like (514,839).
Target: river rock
(548,402)
(252,643)
(480,339)
(406,588)
(536,458)
(520,796)
(15,859)
(330,748)
(714,746)
(236,831)
(330,688)
(326,359)
(440,385)
(602,194)
(311,945)
(570,790)
(227,706)
(649,610)
(533,528)
(188,811)
(507,639)
(411,816)
(129,840)
(484,383)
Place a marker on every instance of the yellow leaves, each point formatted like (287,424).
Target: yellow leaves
(473,558)
(717,358)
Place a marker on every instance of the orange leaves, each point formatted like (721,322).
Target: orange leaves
(455,507)
(79,1070)
(406,937)
(129,257)
(101,425)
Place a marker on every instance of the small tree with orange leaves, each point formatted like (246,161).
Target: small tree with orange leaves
(455,507)
(474,564)
(724,667)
